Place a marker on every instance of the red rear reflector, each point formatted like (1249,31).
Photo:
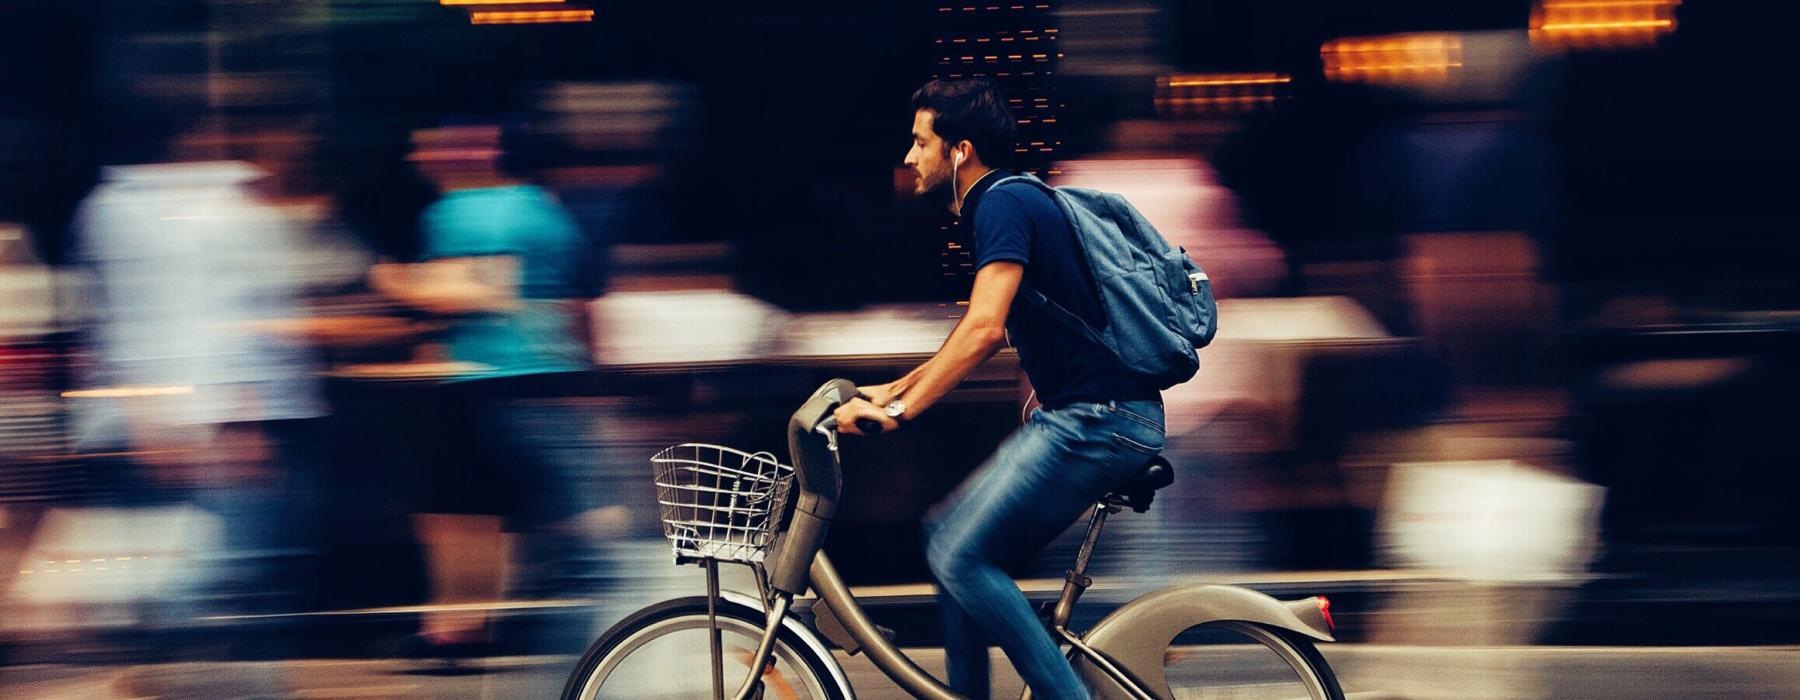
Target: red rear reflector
(1325,609)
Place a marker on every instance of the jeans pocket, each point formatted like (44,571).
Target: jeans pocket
(1147,421)
(1130,444)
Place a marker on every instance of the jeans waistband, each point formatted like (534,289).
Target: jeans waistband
(1155,398)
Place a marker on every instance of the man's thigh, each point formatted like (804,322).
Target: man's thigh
(1034,486)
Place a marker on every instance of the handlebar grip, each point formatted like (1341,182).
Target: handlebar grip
(842,389)
(840,392)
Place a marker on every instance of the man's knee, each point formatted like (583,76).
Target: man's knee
(947,553)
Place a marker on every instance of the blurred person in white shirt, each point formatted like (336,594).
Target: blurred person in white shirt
(189,272)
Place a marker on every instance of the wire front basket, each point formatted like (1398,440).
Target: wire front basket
(720,503)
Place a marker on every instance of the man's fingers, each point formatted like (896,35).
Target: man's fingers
(879,417)
(853,411)
(878,394)
(846,417)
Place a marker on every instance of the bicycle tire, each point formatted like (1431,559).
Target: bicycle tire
(1308,667)
(795,666)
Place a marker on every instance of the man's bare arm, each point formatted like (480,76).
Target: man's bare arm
(980,333)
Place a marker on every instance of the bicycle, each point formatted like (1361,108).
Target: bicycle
(721,505)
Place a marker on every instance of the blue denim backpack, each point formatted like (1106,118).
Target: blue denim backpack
(1159,304)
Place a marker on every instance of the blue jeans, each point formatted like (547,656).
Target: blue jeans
(1043,477)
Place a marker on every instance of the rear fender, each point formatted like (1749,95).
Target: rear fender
(1136,636)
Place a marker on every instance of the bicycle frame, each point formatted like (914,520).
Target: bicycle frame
(1125,648)
(839,618)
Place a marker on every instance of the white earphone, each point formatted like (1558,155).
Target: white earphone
(955,162)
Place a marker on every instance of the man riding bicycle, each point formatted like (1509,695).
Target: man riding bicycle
(1096,424)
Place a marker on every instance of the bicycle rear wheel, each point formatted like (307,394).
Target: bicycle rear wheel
(1247,661)
(663,652)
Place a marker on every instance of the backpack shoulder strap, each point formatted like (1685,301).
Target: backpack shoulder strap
(1036,299)
(1043,304)
(1029,179)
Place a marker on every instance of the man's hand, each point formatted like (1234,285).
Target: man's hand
(857,409)
(879,394)
(980,333)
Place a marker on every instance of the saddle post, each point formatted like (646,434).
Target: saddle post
(1076,580)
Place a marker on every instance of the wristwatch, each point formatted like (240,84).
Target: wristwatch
(896,410)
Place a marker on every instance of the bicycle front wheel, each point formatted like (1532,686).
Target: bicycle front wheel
(663,651)
(1242,660)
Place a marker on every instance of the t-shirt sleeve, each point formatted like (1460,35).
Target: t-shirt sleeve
(1002,229)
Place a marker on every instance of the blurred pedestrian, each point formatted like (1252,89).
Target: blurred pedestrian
(186,388)
(502,264)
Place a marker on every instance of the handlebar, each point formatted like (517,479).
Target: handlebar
(868,426)
(844,391)
(812,444)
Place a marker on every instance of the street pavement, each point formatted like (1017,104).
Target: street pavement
(1367,671)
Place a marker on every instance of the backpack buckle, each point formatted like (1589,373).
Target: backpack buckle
(1194,281)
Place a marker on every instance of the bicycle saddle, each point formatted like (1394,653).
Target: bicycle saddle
(1137,491)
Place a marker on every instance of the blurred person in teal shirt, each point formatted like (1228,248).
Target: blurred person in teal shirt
(503,263)
(501,257)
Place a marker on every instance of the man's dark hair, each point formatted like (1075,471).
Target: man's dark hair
(971,110)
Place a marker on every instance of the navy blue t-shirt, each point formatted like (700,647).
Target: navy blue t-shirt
(1020,223)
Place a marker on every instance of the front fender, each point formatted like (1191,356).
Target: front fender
(1137,635)
(808,637)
